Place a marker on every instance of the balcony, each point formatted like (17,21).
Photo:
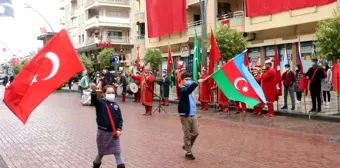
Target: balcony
(101,21)
(140,39)
(194,27)
(112,3)
(120,40)
(234,20)
(140,16)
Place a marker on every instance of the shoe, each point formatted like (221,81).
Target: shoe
(244,113)
(319,110)
(293,108)
(284,107)
(298,102)
(96,165)
(328,103)
(190,156)
(183,147)
(312,110)
(121,166)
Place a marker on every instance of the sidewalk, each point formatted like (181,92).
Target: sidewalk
(329,113)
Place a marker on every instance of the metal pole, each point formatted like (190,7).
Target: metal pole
(40,15)
(204,31)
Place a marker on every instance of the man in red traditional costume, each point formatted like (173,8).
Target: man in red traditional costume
(204,90)
(137,95)
(243,107)
(257,75)
(268,83)
(146,82)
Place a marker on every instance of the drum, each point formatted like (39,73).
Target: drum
(119,90)
(128,90)
(99,93)
(133,87)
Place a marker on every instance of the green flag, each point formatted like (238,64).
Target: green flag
(197,58)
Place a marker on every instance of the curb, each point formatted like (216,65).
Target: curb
(313,116)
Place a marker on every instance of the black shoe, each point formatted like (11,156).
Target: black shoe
(312,110)
(183,147)
(319,110)
(190,156)
(284,107)
(121,166)
(293,108)
(96,165)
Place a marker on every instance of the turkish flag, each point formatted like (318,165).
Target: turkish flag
(53,65)
(43,30)
(278,73)
(3,49)
(336,77)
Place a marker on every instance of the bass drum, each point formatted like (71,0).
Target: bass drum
(128,90)
(133,87)
(119,90)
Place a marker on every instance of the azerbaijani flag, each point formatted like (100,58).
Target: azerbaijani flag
(237,83)
(170,67)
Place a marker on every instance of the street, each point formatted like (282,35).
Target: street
(62,133)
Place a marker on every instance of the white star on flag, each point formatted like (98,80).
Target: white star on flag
(245,89)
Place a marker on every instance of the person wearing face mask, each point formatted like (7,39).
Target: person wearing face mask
(298,92)
(187,111)
(109,126)
(84,83)
(268,83)
(146,83)
(288,79)
(108,78)
(204,91)
(326,84)
(315,74)
(166,88)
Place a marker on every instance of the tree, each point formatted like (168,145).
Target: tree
(17,68)
(154,57)
(230,42)
(88,64)
(104,57)
(328,37)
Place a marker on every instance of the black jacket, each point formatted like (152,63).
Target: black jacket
(103,121)
(166,87)
(108,79)
(319,75)
(184,102)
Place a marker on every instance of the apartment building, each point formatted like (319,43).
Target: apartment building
(97,24)
(283,29)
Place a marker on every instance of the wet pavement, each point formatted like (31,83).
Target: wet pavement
(62,133)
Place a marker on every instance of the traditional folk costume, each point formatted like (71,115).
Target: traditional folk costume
(166,89)
(204,91)
(222,100)
(243,107)
(137,95)
(146,80)
(268,82)
(258,108)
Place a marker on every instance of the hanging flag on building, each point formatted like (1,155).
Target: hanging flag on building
(170,67)
(197,58)
(237,83)
(3,49)
(53,65)
(6,8)
(43,30)
(303,85)
(278,73)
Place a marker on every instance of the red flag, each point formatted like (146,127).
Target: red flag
(43,30)
(246,60)
(53,65)
(336,77)
(3,49)
(303,85)
(214,54)
(138,59)
(170,67)
(278,73)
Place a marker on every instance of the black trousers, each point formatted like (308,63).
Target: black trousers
(315,92)
(298,96)
(328,94)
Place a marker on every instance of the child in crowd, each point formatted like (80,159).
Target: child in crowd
(110,123)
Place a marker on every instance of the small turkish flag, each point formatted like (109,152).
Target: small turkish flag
(3,49)
(43,30)
(53,65)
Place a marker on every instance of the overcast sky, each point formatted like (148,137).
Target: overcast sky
(20,34)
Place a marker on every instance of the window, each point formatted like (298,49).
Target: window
(116,34)
(74,22)
(113,13)
(79,39)
(82,37)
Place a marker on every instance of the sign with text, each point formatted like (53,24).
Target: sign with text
(104,44)
(115,59)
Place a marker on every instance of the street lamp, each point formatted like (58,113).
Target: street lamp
(28,6)
(203,5)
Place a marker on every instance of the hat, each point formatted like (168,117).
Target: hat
(267,61)
(164,70)
(315,59)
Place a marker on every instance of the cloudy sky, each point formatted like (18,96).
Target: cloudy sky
(20,33)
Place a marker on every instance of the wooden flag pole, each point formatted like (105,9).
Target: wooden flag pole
(304,91)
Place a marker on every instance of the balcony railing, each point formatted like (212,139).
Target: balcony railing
(140,39)
(113,2)
(194,27)
(140,15)
(98,21)
(111,39)
(232,19)
(231,15)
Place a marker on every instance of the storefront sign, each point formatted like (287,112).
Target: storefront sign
(104,44)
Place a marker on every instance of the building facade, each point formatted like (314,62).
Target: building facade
(97,24)
(283,29)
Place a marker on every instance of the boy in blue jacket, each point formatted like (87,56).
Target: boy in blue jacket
(187,111)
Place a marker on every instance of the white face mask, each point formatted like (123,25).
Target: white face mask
(110,97)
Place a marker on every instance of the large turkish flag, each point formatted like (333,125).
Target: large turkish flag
(54,64)
(336,77)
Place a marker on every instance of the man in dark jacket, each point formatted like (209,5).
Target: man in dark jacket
(166,88)
(108,78)
(187,111)
(123,83)
(315,74)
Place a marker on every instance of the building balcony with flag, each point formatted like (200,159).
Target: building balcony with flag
(107,3)
(102,21)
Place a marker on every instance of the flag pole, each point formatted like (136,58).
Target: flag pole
(304,91)
(277,103)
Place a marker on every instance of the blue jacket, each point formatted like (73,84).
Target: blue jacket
(184,102)
(103,121)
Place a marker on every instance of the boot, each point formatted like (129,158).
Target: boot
(121,166)
(163,101)
(166,102)
(206,106)
(96,165)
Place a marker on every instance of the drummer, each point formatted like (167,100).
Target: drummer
(137,95)
(123,84)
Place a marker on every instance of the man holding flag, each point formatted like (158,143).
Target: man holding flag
(269,86)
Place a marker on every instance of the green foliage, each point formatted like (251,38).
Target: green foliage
(328,37)
(17,68)
(104,57)
(154,57)
(88,64)
(230,42)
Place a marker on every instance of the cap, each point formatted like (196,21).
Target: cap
(164,70)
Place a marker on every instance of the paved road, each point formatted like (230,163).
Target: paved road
(61,133)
